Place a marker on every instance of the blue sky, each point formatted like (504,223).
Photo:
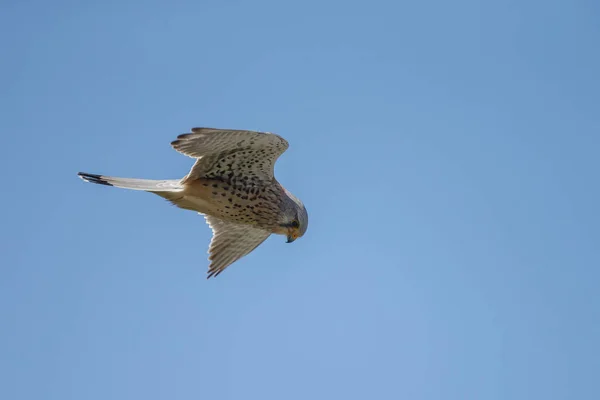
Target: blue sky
(447,153)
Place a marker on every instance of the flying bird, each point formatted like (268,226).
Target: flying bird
(232,184)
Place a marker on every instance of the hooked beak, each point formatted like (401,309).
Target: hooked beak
(290,239)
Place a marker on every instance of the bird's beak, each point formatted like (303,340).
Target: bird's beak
(290,239)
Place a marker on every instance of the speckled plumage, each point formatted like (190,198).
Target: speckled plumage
(232,183)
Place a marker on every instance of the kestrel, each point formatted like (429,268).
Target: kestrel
(232,184)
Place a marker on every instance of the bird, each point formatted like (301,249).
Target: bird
(232,184)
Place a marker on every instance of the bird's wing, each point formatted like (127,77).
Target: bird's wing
(230,242)
(231,153)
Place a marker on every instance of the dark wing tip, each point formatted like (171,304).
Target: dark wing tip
(195,133)
(213,272)
(202,129)
(93,178)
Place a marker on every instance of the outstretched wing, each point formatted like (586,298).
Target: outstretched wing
(230,242)
(228,153)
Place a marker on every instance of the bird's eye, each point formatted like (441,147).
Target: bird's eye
(295,224)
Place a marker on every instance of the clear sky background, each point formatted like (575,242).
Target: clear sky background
(447,153)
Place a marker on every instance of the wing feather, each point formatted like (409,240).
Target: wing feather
(230,242)
(228,152)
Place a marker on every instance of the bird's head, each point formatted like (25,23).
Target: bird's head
(295,218)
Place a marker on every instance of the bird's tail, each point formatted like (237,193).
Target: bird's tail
(147,185)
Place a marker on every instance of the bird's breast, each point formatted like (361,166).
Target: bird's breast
(239,202)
